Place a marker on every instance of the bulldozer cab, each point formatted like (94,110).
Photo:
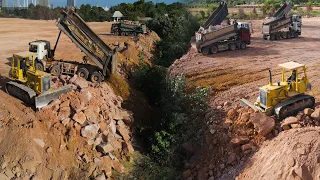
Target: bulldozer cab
(294,74)
(20,64)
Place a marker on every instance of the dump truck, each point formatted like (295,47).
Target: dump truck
(126,29)
(230,37)
(281,25)
(103,58)
(286,97)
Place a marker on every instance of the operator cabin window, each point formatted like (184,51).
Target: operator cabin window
(33,48)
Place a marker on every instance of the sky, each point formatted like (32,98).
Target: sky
(102,3)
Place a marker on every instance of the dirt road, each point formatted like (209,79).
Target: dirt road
(238,74)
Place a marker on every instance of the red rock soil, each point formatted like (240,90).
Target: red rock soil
(234,137)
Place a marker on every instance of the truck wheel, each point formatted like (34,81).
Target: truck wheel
(96,77)
(296,35)
(39,66)
(243,45)
(123,34)
(232,47)
(278,36)
(205,51)
(272,37)
(134,34)
(55,70)
(83,72)
(214,49)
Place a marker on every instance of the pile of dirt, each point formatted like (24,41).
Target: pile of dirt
(294,154)
(83,134)
(233,137)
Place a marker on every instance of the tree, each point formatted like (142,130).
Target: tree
(202,13)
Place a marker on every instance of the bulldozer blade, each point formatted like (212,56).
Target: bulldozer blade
(244,102)
(45,98)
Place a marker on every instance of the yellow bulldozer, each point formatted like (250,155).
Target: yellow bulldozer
(286,97)
(29,84)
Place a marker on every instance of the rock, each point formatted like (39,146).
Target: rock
(98,141)
(303,172)
(65,104)
(123,131)
(80,118)
(90,131)
(39,142)
(103,126)
(113,141)
(316,114)
(308,111)
(289,120)
(77,105)
(81,83)
(211,173)
(286,127)
(227,123)
(4,177)
(9,173)
(239,140)
(221,166)
(64,112)
(116,165)
(188,146)
(106,165)
(232,114)
(211,178)
(291,161)
(262,123)
(296,125)
(30,165)
(100,177)
(65,121)
(113,127)
(92,114)
(90,142)
(232,158)
(104,148)
(246,147)
(73,79)
(87,95)
(186,173)
(226,103)
(49,150)
(127,148)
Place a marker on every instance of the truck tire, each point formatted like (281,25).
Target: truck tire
(83,72)
(214,49)
(243,45)
(39,66)
(96,77)
(272,37)
(232,47)
(278,36)
(205,51)
(123,34)
(55,70)
(296,35)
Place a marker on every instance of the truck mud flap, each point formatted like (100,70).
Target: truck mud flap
(45,98)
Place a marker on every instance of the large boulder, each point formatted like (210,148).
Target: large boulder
(316,114)
(262,123)
(289,121)
(90,131)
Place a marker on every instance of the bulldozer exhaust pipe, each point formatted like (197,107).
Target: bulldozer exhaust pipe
(270,78)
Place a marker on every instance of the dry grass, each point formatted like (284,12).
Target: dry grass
(120,86)
(221,79)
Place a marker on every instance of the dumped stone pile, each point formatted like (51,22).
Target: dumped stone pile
(85,134)
(232,141)
(93,112)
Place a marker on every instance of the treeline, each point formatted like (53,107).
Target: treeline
(87,12)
